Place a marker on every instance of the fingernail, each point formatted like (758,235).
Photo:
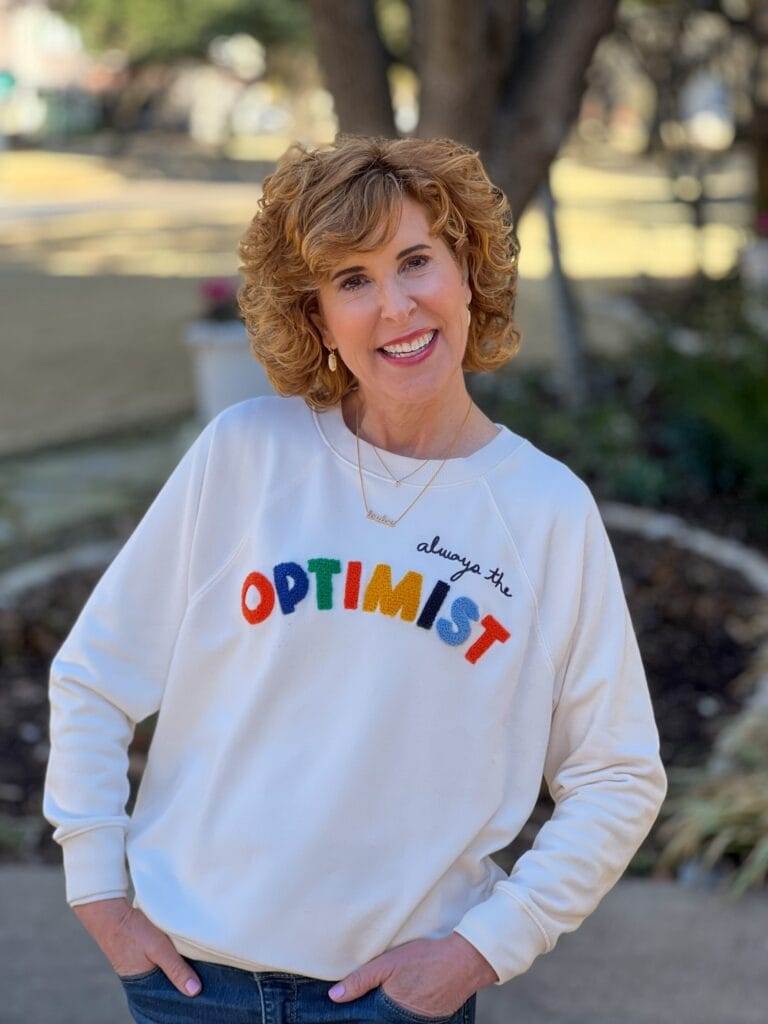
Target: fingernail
(337,990)
(192,986)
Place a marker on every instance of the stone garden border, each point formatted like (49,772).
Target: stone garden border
(37,571)
(730,554)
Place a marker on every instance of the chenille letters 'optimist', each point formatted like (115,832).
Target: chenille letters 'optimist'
(291,585)
(352,719)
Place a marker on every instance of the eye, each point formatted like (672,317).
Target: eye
(350,284)
(351,280)
(409,262)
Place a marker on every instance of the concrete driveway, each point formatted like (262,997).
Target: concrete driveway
(652,953)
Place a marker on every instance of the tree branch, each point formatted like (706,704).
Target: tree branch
(544,95)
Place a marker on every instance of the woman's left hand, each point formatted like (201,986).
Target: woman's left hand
(433,977)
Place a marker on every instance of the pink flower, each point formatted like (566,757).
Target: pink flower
(217,289)
(219,298)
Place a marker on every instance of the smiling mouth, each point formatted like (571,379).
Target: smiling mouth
(410,353)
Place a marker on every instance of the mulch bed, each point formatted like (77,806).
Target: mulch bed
(691,617)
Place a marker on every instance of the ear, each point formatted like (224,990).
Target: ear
(319,322)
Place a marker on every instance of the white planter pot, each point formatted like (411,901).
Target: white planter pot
(225,370)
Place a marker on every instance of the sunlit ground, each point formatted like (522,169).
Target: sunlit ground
(612,225)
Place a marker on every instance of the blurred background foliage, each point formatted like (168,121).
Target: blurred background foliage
(163,31)
(679,421)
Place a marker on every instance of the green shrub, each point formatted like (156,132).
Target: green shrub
(678,420)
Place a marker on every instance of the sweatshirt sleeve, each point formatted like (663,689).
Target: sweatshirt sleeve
(603,770)
(109,674)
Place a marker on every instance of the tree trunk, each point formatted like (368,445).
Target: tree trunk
(570,371)
(354,62)
(461,53)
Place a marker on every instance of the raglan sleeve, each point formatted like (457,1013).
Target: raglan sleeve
(109,674)
(603,770)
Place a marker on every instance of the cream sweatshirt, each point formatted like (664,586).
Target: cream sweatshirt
(352,718)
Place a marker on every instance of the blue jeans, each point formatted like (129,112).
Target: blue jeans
(233,996)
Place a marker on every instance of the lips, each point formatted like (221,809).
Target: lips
(409,337)
(408,359)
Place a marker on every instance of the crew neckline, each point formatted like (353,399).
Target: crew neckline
(341,440)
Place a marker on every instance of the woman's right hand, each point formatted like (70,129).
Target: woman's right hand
(132,944)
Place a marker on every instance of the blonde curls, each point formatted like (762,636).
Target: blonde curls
(318,205)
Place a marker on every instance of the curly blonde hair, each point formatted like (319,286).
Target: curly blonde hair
(319,204)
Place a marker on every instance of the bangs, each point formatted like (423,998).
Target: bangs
(363,215)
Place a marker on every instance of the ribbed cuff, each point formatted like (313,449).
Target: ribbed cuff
(94,865)
(118,895)
(503,931)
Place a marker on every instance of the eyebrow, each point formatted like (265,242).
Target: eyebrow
(405,252)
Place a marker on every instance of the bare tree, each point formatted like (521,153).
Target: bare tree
(354,61)
(503,76)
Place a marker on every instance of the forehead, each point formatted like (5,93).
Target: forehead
(412,217)
(408,223)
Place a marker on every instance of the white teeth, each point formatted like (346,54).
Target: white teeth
(411,346)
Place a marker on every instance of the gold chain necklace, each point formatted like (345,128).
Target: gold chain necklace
(397,480)
(380,517)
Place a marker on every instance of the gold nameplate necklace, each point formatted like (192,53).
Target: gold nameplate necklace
(380,517)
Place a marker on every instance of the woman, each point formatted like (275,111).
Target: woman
(371,620)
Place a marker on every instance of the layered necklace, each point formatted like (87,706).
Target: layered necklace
(380,517)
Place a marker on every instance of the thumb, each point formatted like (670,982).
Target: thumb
(178,971)
(357,983)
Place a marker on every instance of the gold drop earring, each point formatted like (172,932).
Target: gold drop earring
(332,361)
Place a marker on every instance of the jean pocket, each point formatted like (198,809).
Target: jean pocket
(139,977)
(402,1013)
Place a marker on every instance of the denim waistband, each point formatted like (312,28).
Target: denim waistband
(287,976)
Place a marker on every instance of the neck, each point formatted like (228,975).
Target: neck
(419,430)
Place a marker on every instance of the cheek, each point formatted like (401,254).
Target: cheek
(440,295)
(353,327)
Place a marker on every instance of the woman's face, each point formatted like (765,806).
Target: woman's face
(405,289)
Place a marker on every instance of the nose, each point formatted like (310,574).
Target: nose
(395,302)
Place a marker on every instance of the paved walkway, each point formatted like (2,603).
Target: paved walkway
(59,498)
(652,953)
